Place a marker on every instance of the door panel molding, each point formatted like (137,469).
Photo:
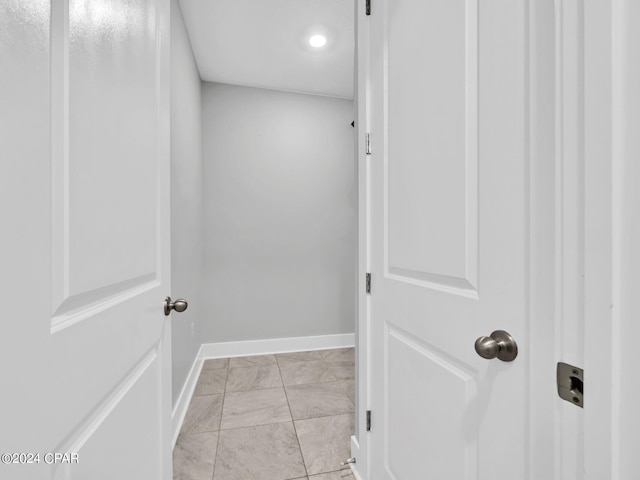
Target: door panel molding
(83,434)
(453,285)
(447,232)
(412,407)
(82,306)
(118,271)
(79,434)
(59,131)
(110,253)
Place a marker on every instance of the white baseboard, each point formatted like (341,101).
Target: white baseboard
(180,408)
(276,345)
(252,347)
(355,453)
(354,470)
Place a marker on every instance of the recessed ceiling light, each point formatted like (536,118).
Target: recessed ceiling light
(318,41)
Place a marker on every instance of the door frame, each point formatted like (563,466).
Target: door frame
(612,120)
(359,442)
(596,227)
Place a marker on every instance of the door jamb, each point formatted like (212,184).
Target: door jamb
(612,119)
(359,442)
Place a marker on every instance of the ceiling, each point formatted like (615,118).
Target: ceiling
(265,43)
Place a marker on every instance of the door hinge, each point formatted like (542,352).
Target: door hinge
(367,144)
(368,282)
(368,420)
(368,7)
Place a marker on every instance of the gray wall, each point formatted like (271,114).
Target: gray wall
(280,214)
(186,201)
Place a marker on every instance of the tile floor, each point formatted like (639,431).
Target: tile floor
(270,417)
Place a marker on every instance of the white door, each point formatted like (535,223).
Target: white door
(449,238)
(85,352)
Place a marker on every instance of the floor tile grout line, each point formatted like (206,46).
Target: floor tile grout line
(298,361)
(344,388)
(334,374)
(311,361)
(255,365)
(314,383)
(317,351)
(207,394)
(337,380)
(266,424)
(224,395)
(260,424)
(210,393)
(260,388)
(205,360)
(303,361)
(293,423)
(257,425)
(253,389)
(322,416)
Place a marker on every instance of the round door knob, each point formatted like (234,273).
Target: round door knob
(179,305)
(499,344)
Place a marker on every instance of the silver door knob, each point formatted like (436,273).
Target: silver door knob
(499,344)
(179,305)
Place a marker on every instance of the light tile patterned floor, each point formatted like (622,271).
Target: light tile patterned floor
(270,417)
